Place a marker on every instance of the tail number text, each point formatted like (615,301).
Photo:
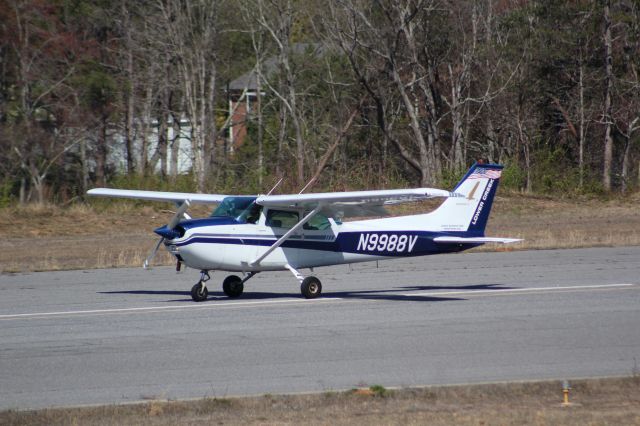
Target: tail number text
(385,242)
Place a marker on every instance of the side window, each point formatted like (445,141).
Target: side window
(317,222)
(281,218)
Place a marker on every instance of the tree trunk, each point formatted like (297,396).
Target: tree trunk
(101,154)
(129,94)
(260,124)
(582,124)
(211,126)
(84,166)
(282,134)
(608,139)
(145,130)
(457,133)
(627,151)
(625,165)
(23,191)
(160,154)
(175,148)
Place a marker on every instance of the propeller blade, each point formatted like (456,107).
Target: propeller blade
(176,218)
(172,224)
(149,258)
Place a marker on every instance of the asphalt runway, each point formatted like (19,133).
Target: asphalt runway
(122,335)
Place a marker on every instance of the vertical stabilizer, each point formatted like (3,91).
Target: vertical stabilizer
(471,213)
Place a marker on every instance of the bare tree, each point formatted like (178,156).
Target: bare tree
(628,113)
(45,106)
(192,33)
(277,18)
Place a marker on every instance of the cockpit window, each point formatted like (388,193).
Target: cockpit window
(251,214)
(232,206)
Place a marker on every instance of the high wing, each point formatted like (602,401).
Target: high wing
(174,197)
(353,203)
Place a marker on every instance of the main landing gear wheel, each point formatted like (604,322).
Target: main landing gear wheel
(199,292)
(311,287)
(233,286)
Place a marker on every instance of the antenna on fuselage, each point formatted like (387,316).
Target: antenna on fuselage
(312,181)
(276,185)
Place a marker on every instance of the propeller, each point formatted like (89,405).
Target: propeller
(170,226)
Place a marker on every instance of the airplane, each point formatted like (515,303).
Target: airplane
(249,234)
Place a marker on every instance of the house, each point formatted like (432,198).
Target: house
(241,107)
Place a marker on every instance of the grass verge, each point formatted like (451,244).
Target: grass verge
(613,401)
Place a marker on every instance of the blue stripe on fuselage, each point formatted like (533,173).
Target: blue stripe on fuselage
(381,243)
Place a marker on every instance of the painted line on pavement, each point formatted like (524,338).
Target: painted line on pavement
(167,308)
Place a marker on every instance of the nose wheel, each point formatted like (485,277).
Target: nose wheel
(199,291)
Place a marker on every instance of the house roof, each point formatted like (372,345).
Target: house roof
(270,65)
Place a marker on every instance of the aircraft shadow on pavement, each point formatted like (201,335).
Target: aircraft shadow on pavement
(391,294)
(459,287)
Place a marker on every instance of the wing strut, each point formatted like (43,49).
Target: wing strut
(282,239)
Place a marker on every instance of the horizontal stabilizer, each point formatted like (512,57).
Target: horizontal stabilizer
(475,240)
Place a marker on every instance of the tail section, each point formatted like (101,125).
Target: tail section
(470,213)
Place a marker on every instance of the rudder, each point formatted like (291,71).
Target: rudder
(470,213)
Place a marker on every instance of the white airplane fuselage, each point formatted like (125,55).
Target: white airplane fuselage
(218,243)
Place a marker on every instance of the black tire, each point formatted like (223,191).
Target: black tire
(311,287)
(233,286)
(199,294)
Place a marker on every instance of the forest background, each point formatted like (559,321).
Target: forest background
(384,94)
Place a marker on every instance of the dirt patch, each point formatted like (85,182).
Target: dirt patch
(602,401)
(547,223)
(118,234)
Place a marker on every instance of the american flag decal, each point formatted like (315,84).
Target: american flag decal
(482,173)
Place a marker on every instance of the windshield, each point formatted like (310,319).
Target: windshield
(232,206)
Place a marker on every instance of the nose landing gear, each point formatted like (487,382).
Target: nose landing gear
(233,286)
(199,291)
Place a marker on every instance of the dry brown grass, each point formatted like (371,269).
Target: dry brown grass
(555,223)
(118,234)
(594,402)
(39,238)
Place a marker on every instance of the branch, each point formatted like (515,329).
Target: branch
(332,148)
(565,114)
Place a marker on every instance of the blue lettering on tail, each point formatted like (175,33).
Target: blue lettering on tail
(386,243)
